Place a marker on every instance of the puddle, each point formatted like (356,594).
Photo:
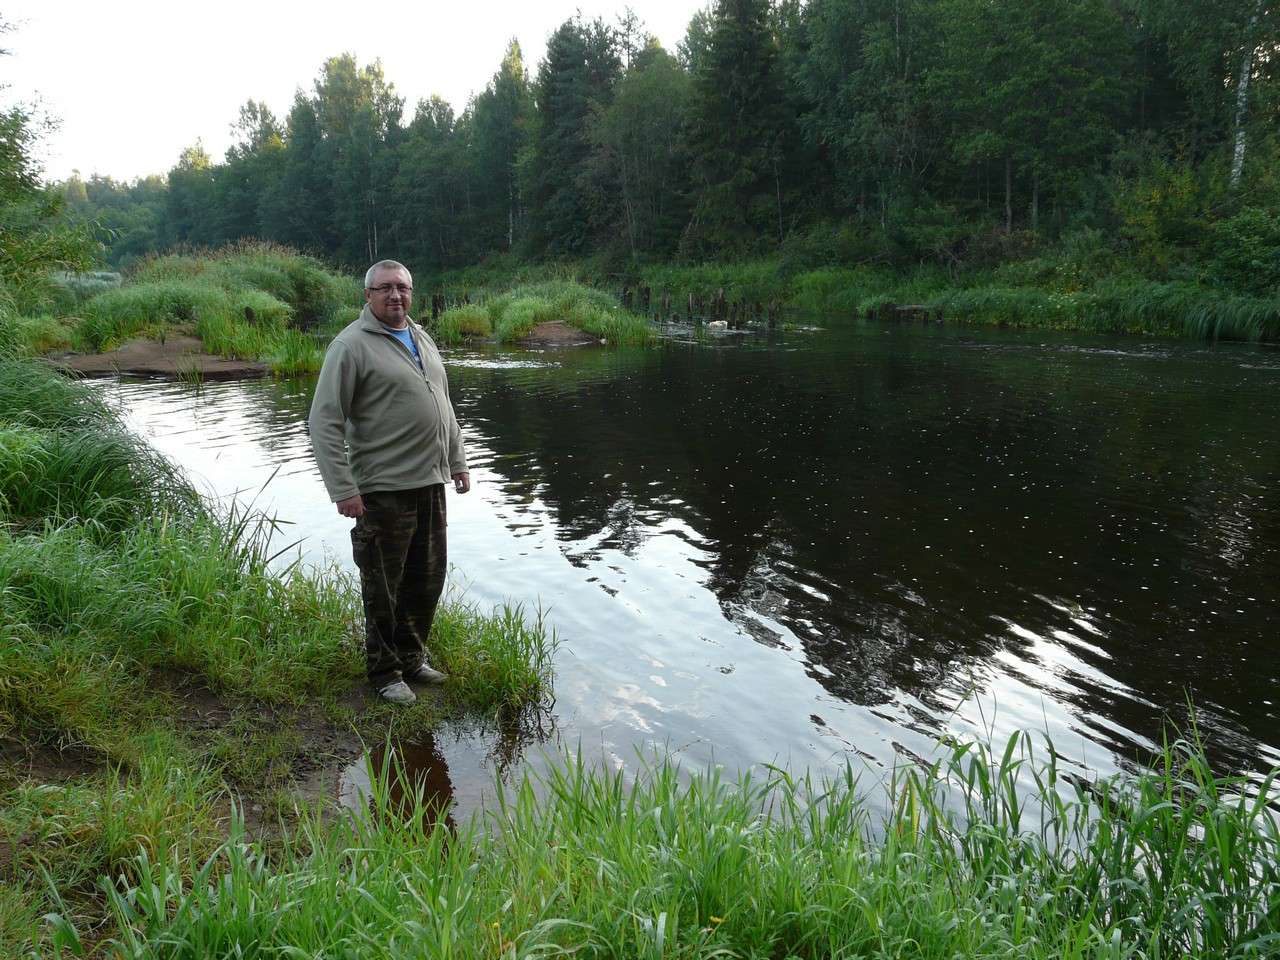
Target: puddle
(454,769)
(416,769)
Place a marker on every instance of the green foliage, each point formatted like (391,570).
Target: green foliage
(514,314)
(79,831)
(1162,214)
(980,854)
(1246,251)
(493,658)
(34,395)
(831,134)
(460,323)
(245,302)
(574,81)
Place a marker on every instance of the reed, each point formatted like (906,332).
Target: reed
(108,477)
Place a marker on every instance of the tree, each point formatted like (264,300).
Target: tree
(189,209)
(639,138)
(575,80)
(34,236)
(297,207)
(499,126)
(428,187)
(1220,50)
(252,165)
(358,114)
(739,128)
(864,77)
(1037,88)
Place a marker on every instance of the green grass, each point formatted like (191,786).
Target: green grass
(497,657)
(1078,284)
(246,302)
(119,585)
(515,313)
(983,854)
(33,394)
(461,323)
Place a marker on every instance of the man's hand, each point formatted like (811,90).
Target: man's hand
(352,507)
(462,482)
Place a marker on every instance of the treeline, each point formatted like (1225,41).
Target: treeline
(835,131)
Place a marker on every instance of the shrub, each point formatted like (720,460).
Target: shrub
(1246,251)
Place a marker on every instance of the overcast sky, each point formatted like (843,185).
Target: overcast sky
(133,83)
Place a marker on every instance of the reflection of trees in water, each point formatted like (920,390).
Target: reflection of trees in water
(892,507)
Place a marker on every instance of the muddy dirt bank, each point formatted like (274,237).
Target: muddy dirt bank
(179,357)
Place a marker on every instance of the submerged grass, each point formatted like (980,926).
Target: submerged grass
(982,854)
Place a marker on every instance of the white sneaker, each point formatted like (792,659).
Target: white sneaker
(425,674)
(397,692)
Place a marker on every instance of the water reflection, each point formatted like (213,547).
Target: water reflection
(414,777)
(449,772)
(840,545)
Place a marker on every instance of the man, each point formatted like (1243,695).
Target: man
(386,441)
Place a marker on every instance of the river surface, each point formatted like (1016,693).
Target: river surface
(838,543)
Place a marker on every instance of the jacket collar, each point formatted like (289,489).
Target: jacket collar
(372,324)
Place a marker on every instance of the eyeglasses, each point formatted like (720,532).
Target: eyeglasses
(385,288)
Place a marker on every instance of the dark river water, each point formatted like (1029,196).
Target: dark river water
(836,544)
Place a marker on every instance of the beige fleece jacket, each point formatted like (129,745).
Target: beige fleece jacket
(378,422)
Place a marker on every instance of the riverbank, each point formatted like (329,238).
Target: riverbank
(161,671)
(1070,289)
(254,309)
(159,705)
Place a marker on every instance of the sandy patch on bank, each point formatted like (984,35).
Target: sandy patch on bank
(178,356)
(558,334)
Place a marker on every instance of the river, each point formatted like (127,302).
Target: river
(837,543)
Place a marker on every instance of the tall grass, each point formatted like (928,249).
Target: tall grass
(245,302)
(461,323)
(493,658)
(514,314)
(983,854)
(33,394)
(108,477)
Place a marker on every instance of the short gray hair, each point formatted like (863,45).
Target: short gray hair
(384,265)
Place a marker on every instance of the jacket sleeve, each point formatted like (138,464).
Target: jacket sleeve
(457,455)
(330,408)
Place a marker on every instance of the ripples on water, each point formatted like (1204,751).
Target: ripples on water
(838,545)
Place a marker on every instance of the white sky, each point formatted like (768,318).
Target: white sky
(133,83)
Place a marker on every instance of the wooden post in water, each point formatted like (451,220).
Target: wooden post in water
(666,304)
(691,306)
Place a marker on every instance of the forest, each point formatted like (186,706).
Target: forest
(1134,138)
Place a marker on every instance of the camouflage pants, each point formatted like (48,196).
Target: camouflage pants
(399,546)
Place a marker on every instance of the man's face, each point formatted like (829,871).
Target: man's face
(390,296)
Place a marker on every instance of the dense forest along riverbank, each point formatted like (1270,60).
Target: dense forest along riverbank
(809,549)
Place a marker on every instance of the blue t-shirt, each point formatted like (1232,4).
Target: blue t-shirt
(405,337)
